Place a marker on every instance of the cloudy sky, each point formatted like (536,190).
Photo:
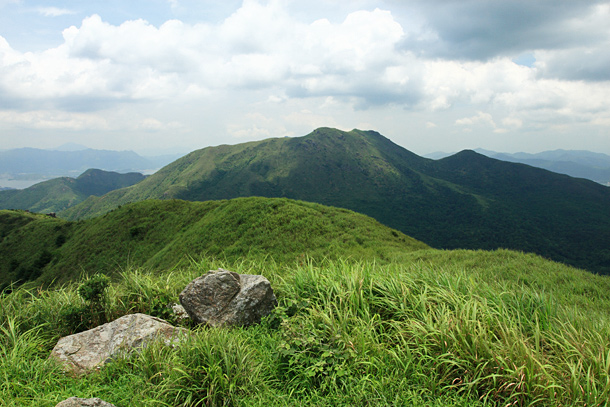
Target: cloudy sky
(431,75)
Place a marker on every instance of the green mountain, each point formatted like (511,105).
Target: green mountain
(61,193)
(162,234)
(464,201)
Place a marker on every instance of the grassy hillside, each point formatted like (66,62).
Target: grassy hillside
(464,201)
(163,234)
(62,193)
(438,328)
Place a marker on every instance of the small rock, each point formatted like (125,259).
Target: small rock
(225,298)
(78,402)
(85,351)
(179,312)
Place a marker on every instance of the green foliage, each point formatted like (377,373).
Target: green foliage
(93,290)
(441,328)
(61,193)
(166,234)
(464,201)
(78,318)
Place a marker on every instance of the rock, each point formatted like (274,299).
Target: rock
(78,402)
(225,298)
(179,312)
(86,351)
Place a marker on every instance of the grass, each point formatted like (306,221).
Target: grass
(161,234)
(465,201)
(438,328)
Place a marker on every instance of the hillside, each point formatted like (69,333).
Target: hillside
(163,234)
(575,163)
(62,193)
(464,201)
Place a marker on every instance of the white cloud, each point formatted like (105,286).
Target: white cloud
(7,2)
(480,118)
(298,73)
(54,11)
(53,120)
(174,4)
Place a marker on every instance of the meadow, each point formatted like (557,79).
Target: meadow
(437,328)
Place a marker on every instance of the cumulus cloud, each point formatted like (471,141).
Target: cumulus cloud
(472,29)
(460,54)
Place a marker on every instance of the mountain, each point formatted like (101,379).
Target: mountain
(71,147)
(575,163)
(463,201)
(61,193)
(161,234)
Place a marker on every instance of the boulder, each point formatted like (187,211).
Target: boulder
(225,298)
(78,402)
(86,351)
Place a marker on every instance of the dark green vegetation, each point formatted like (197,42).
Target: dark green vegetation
(439,328)
(463,201)
(166,234)
(62,193)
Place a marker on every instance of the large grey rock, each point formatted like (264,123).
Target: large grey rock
(225,298)
(85,351)
(78,402)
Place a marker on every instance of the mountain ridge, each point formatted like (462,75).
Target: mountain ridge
(575,163)
(161,234)
(467,201)
(61,193)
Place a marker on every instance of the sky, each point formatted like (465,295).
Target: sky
(172,76)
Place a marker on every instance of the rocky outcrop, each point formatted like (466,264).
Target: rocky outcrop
(86,351)
(78,402)
(225,298)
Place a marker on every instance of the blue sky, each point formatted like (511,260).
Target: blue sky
(432,75)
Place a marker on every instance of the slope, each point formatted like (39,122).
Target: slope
(464,201)
(61,193)
(162,234)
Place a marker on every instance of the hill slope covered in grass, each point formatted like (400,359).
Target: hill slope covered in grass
(437,329)
(463,201)
(62,193)
(163,234)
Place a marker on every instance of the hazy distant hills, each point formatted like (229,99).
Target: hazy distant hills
(71,160)
(61,193)
(467,200)
(576,163)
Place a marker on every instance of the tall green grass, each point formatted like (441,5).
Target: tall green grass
(444,329)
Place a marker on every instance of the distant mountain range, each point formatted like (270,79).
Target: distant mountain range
(466,200)
(575,163)
(71,160)
(61,193)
